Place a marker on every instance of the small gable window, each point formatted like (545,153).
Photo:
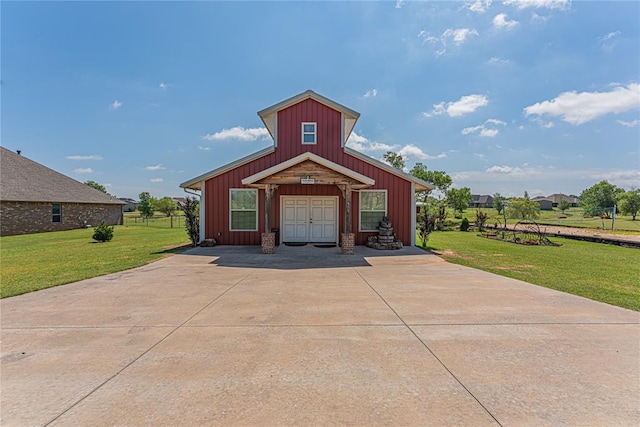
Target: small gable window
(56,212)
(309,132)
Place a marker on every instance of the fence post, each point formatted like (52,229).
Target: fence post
(613,219)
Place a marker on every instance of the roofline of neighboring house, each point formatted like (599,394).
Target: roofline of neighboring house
(104,202)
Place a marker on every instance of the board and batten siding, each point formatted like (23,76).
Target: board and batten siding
(328,146)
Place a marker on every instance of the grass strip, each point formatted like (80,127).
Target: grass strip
(605,273)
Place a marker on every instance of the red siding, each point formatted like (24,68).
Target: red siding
(289,145)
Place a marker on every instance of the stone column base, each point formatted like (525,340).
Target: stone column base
(348,243)
(268,243)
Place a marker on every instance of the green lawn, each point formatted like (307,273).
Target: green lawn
(37,261)
(574,218)
(601,272)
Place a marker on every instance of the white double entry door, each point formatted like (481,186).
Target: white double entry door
(309,219)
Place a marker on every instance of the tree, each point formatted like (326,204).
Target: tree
(499,202)
(629,203)
(600,196)
(440,180)
(459,198)
(394,159)
(146,206)
(103,232)
(520,207)
(563,205)
(191,208)
(97,186)
(165,205)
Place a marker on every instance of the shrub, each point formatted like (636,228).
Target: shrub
(464,225)
(481,219)
(103,232)
(192,220)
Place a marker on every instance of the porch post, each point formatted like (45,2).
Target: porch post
(348,238)
(268,238)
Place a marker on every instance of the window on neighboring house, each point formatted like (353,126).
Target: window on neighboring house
(244,210)
(373,206)
(308,133)
(56,212)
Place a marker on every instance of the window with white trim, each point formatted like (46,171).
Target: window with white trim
(56,212)
(373,206)
(243,215)
(309,132)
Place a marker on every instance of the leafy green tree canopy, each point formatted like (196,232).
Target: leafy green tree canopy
(599,196)
(499,202)
(459,198)
(629,203)
(97,186)
(394,159)
(520,207)
(440,179)
(147,205)
(166,205)
(563,205)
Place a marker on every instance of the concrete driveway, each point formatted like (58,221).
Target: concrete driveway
(311,337)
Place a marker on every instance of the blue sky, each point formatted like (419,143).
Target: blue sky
(535,95)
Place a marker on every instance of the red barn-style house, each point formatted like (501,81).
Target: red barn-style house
(308,187)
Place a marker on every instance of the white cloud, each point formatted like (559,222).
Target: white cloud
(514,171)
(480,6)
(83,170)
(540,4)
(411,150)
(155,168)
(484,131)
(456,36)
(630,124)
(465,105)
(371,94)
(496,122)
(116,104)
(92,157)
(608,42)
(363,144)
(623,178)
(481,156)
(498,61)
(459,35)
(489,133)
(204,148)
(163,86)
(500,21)
(399,4)
(579,108)
(238,132)
(156,180)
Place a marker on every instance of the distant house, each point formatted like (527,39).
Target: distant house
(130,204)
(481,201)
(556,198)
(180,201)
(545,204)
(35,199)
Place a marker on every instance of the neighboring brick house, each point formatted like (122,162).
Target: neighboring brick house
(481,201)
(308,185)
(35,199)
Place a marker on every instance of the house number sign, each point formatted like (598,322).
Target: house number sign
(307,181)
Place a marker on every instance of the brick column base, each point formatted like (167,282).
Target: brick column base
(268,243)
(348,243)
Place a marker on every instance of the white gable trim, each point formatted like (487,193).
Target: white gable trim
(301,158)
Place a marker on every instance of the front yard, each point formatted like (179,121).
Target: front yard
(38,261)
(597,271)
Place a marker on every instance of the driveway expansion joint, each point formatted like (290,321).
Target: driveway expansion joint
(146,351)
(424,344)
